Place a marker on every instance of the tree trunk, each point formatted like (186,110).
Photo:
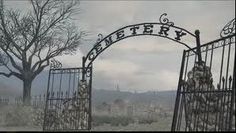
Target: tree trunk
(27,91)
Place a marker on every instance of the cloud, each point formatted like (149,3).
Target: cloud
(150,62)
(114,68)
(168,79)
(144,63)
(132,76)
(71,60)
(149,44)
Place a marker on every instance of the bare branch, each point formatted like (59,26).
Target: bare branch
(31,40)
(6,74)
(13,61)
(58,17)
(7,34)
(11,74)
(4,62)
(40,69)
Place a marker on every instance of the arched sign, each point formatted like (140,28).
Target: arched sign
(164,28)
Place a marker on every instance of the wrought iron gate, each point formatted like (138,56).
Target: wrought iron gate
(205,98)
(68,103)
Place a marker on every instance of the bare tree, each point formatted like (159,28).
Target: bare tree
(30,40)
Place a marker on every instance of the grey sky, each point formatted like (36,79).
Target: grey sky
(148,63)
(143,63)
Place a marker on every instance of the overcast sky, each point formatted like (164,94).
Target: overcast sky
(143,63)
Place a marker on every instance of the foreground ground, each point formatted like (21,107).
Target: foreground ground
(163,125)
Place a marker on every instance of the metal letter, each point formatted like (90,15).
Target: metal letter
(148,29)
(134,28)
(164,30)
(120,34)
(108,41)
(179,34)
(98,48)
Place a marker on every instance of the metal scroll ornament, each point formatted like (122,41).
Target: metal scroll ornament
(100,37)
(4,59)
(229,29)
(164,20)
(55,64)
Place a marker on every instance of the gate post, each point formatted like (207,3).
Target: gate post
(197,33)
(83,68)
(232,99)
(177,101)
(46,104)
(90,98)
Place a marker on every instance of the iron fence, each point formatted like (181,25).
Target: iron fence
(68,103)
(206,92)
(37,101)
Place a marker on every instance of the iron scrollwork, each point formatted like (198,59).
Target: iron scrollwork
(164,20)
(55,64)
(88,71)
(100,37)
(229,29)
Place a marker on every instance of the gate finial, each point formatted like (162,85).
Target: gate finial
(164,20)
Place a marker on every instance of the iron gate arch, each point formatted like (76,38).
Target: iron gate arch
(85,83)
(148,29)
(161,29)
